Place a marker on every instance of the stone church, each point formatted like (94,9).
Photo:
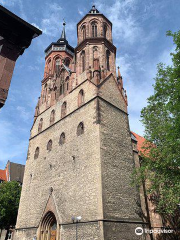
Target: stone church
(77,182)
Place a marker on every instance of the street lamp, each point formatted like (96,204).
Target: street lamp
(76,220)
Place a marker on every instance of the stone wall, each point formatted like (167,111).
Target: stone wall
(71,169)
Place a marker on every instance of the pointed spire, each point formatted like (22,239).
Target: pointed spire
(125,96)
(119,74)
(63,34)
(119,78)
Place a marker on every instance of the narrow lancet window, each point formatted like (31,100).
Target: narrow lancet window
(63,109)
(84,32)
(107,60)
(40,125)
(36,154)
(57,67)
(49,145)
(83,59)
(52,117)
(80,97)
(80,129)
(104,30)
(62,139)
(94,29)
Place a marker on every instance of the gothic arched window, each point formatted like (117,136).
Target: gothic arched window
(49,145)
(49,67)
(95,58)
(107,59)
(57,66)
(95,52)
(84,32)
(80,129)
(67,62)
(80,97)
(67,83)
(36,154)
(104,30)
(40,125)
(94,29)
(83,60)
(62,82)
(62,74)
(63,109)
(52,117)
(62,139)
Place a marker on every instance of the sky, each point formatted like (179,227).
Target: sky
(139,33)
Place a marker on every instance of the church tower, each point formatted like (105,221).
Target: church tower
(77,182)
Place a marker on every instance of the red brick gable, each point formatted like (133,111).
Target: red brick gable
(140,142)
(3,175)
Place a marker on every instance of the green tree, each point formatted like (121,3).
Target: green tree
(9,203)
(161,118)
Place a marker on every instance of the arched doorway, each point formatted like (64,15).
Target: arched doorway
(48,229)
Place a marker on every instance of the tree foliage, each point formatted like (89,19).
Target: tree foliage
(9,203)
(161,118)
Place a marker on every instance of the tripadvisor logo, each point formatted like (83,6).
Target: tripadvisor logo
(138,231)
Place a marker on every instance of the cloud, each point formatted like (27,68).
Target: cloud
(165,56)
(35,25)
(13,3)
(125,65)
(52,15)
(23,113)
(8,3)
(18,3)
(33,68)
(12,146)
(124,18)
(81,12)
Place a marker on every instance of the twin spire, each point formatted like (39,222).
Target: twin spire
(63,34)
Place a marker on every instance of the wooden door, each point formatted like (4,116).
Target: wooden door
(53,235)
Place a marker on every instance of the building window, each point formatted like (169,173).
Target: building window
(67,83)
(95,52)
(49,67)
(83,60)
(62,74)
(67,62)
(49,145)
(45,93)
(80,129)
(62,89)
(63,109)
(84,32)
(52,117)
(104,30)
(94,29)
(80,97)
(36,154)
(40,125)
(57,67)
(62,139)
(107,60)
(62,82)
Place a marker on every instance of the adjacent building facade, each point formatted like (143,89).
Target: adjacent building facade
(77,182)
(12,172)
(15,36)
